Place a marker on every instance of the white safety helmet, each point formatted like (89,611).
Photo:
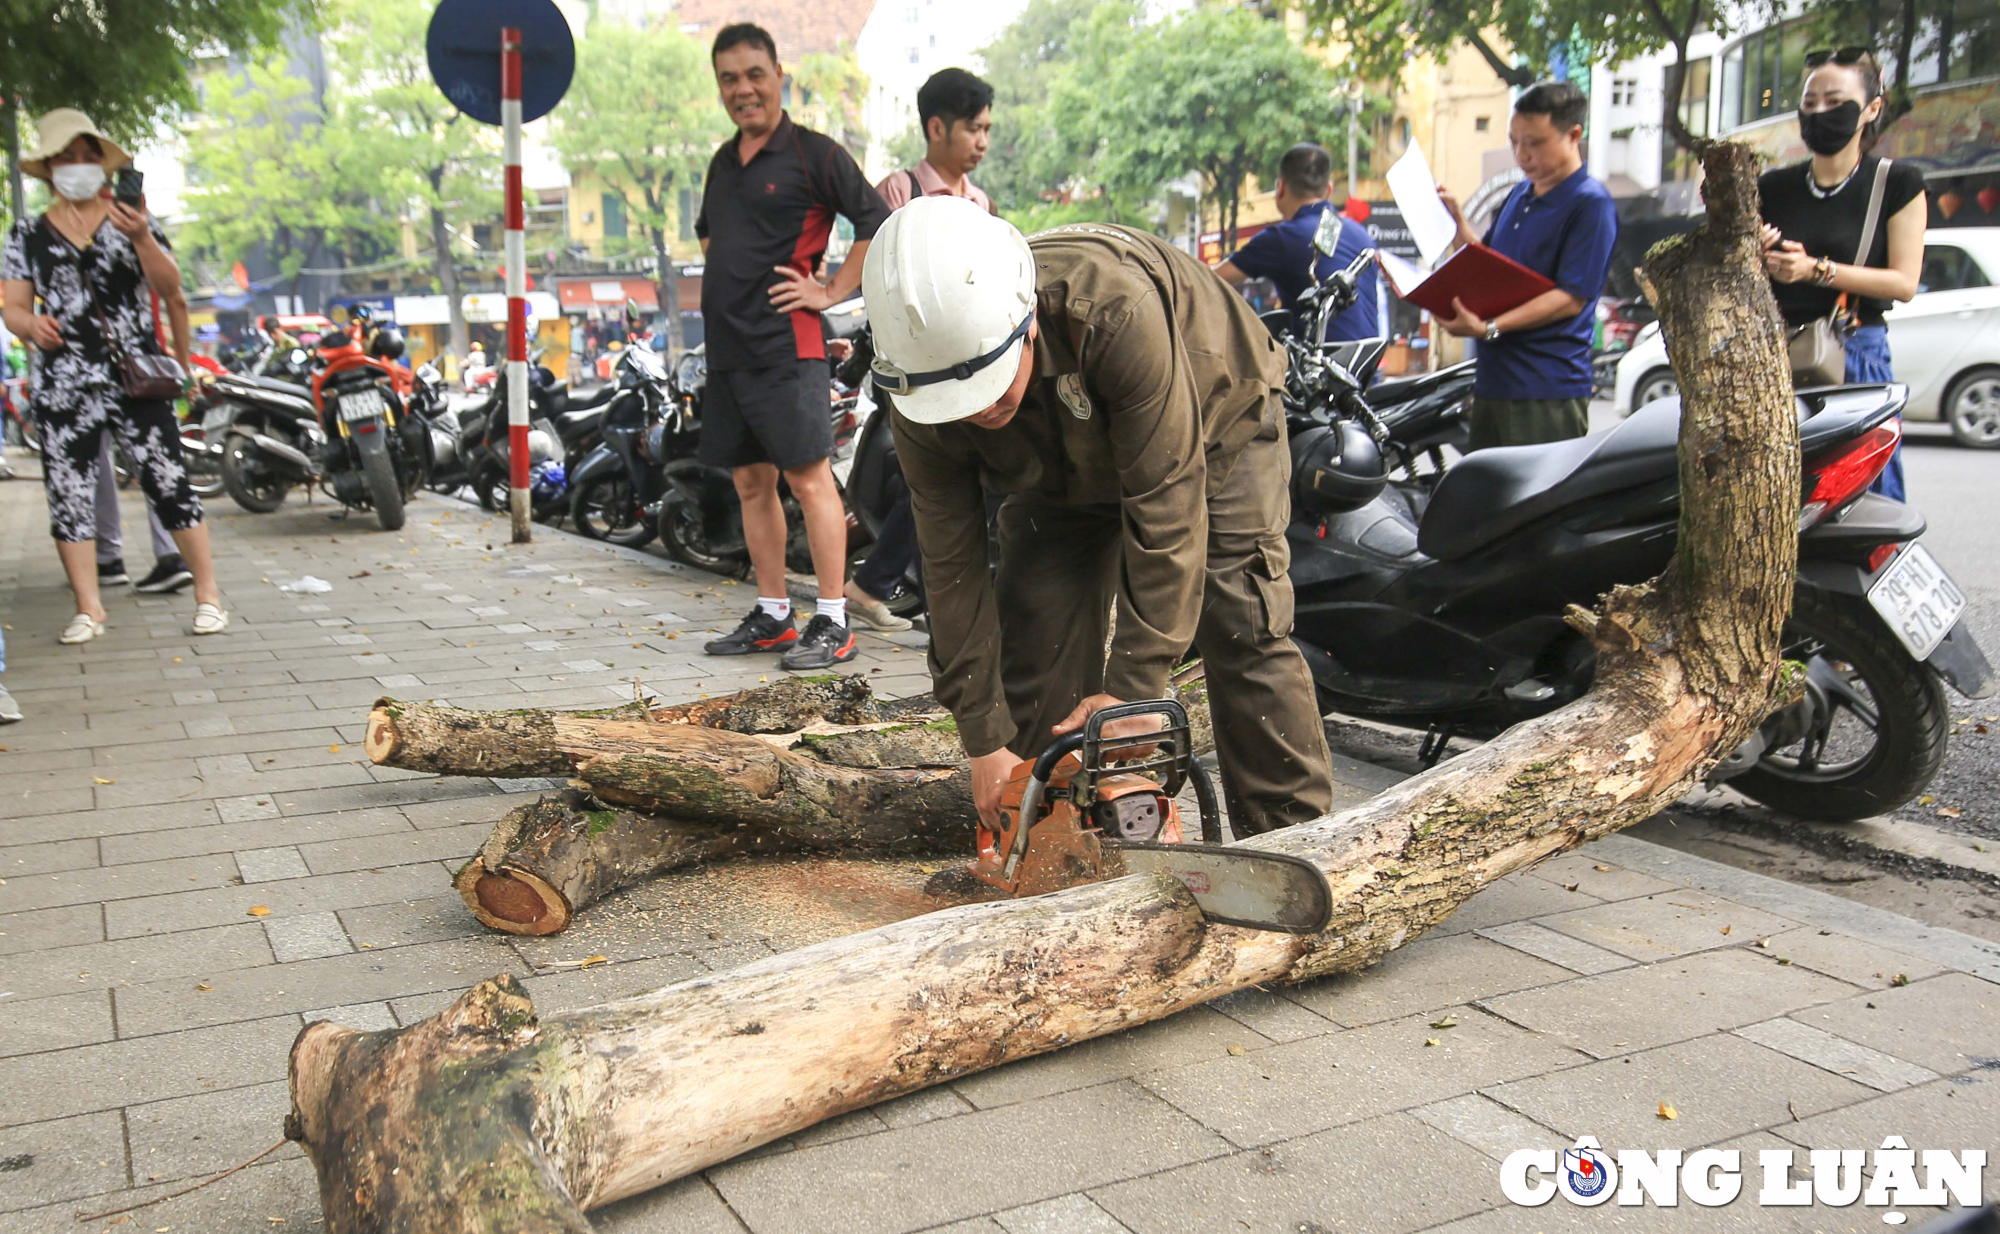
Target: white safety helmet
(950,292)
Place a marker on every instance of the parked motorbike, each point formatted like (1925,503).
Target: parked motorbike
(275,440)
(1439,607)
(617,490)
(571,424)
(701,519)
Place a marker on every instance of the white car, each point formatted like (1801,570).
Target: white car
(1945,342)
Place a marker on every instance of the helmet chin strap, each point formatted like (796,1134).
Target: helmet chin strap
(895,381)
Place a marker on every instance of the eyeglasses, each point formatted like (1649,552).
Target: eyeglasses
(1841,56)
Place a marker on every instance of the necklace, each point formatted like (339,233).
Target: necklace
(78,221)
(1823,194)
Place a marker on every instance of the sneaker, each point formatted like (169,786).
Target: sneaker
(10,710)
(873,613)
(169,574)
(111,573)
(824,644)
(758,632)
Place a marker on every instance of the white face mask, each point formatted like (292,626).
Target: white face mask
(78,181)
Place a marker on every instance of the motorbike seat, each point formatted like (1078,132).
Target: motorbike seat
(589,396)
(279,396)
(573,423)
(1492,493)
(292,388)
(1393,390)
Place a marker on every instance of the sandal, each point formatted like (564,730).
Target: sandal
(210,619)
(81,629)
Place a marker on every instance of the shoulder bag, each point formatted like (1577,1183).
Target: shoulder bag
(1819,348)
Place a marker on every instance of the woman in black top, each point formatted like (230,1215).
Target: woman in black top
(1814,213)
(76,284)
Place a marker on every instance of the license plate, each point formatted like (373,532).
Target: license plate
(362,405)
(1918,600)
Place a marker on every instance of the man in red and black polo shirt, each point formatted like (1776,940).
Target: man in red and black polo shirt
(767,209)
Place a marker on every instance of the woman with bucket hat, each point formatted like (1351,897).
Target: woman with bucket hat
(76,280)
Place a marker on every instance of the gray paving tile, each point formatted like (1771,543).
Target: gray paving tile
(1193,1035)
(118,1073)
(1836,1054)
(265,865)
(365,976)
(1272,1015)
(52,855)
(1514,898)
(1719,1086)
(1945,1023)
(1954,1114)
(1850,959)
(49,1162)
(924,1106)
(28,1026)
(244,809)
(1304,1087)
(257,834)
(285,1189)
(889,1181)
(306,936)
(68,926)
(1480,1121)
(1313,1184)
(1667,924)
(1066,1214)
(1654,1004)
(1425,975)
(193,910)
(204,1134)
(689,1206)
(397,848)
(112,883)
(1543,943)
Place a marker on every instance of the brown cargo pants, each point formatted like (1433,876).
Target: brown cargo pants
(1057,580)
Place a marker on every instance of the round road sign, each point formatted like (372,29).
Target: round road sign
(464,51)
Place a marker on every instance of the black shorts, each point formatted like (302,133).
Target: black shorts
(782,416)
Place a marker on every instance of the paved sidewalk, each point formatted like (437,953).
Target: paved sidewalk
(164,789)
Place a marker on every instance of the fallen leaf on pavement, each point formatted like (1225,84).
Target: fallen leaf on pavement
(1668,1112)
(1727,929)
(1948,812)
(258,910)
(1602,869)
(203,986)
(1236,1051)
(102,780)
(1431,1041)
(1900,979)
(1450,1021)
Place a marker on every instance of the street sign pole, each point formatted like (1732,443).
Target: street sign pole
(517,286)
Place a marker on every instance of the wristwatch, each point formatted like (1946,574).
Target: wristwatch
(1492,330)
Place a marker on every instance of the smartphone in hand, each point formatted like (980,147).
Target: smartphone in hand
(131,187)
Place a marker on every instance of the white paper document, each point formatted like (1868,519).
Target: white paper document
(1415,190)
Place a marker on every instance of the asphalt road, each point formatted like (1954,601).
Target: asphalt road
(1959,493)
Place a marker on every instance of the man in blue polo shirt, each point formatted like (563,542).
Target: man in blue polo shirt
(1284,253)
(1534,359)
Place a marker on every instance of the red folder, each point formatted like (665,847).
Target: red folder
(1488,283)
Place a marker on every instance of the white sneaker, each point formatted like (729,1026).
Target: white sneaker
(81,629)
(210,619)
(10,710)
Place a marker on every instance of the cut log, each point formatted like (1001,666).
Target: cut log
(489,1117)
(806,765)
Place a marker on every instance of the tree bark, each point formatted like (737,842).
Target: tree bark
(447,274)
(490,1118)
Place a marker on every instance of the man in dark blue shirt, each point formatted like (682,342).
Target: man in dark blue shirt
(1534,359)
(1284,253)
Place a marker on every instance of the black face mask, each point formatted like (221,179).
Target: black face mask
(1829,131)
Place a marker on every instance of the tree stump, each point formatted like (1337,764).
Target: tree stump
(490,1118)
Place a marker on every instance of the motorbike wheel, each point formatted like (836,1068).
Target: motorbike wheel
(603,509)
(1880,738)
(204,468)
(383,490)
(248,486)
(686,541)
(489,485)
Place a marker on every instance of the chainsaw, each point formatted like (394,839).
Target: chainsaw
(1093,807)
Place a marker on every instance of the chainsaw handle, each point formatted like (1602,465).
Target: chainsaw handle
(1060,748)
(1031,796)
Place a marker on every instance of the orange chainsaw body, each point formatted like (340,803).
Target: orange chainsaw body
(1064,846)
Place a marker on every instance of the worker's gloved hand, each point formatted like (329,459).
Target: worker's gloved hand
(1130,726)
(990,773)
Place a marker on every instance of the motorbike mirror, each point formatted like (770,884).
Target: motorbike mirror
(1327,237)
(298,355)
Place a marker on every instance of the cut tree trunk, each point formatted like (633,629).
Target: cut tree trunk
(806,765)
(490,1118)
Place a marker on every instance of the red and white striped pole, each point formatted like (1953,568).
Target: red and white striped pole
(517,285)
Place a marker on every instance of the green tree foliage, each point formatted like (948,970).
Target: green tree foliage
(267,168)
(1219,92)
(1052,44)
(414,148)
(642,115)
(832,83)
(125,62)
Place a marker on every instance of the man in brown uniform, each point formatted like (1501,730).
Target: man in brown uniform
(1122,401)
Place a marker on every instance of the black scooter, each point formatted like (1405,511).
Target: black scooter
(1439,607)
(570,421)
(617,490)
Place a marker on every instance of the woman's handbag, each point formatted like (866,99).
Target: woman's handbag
(144,375)
(1819,348)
